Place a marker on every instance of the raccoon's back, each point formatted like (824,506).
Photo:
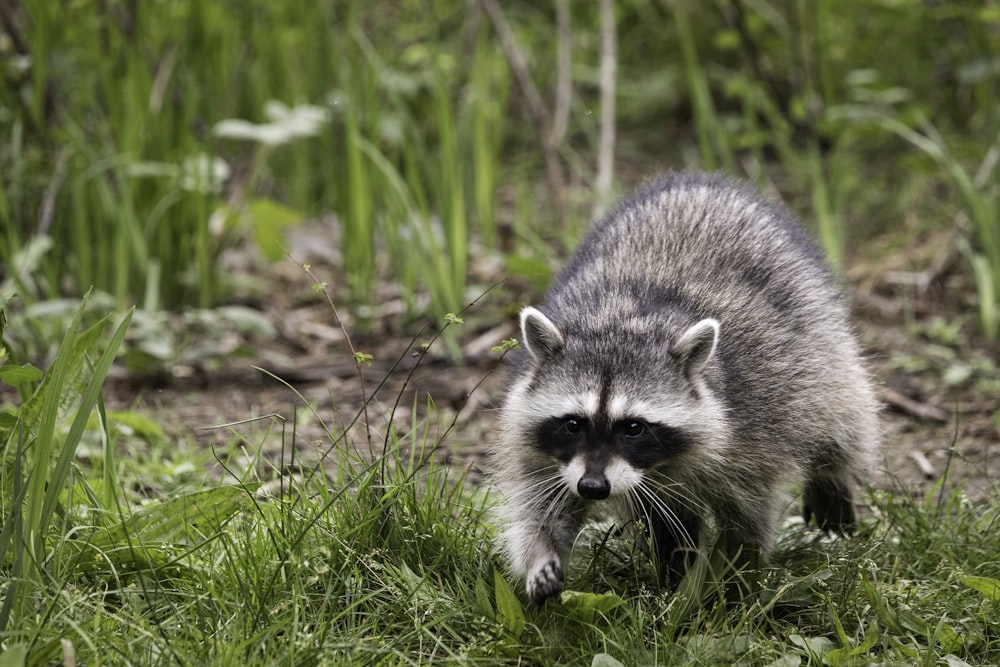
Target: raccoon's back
(699,243)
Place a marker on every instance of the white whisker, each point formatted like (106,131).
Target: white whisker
(676,493)
(652,501)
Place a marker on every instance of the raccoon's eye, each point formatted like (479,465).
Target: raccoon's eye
(572,426)
(633,428)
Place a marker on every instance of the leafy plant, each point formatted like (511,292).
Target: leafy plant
(143,199)
(37,461)
(980,196)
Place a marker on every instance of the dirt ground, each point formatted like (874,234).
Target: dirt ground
(940,383)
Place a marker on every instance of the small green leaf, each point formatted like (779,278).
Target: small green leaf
(483,599)
(815,647)
(881,609)
(871,638)
(18,375)
(509,612)
(452,318)
(363,358)
(605,660)
(956,374)
(414,582)
(787,660)
(988,586)
(268,220)
(837,656)
(948,639)
(913,622)
(954,661)
(249,321)
(506,346)
(586,606)
(139,425)
(14,656)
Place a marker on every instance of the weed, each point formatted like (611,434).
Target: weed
(980,197)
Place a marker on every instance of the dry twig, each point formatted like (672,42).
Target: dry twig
(537,110)
(926,469)
(914,408)
(609,68)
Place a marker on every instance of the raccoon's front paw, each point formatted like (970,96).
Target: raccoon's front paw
(545,580)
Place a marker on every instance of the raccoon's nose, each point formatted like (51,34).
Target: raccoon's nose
(594,486)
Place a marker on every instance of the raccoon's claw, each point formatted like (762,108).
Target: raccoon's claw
(545,581)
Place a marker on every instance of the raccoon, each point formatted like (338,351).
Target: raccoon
(692,357)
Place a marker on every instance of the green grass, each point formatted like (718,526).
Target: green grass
(979,198)
(158,146)
(115,150)
(387,559)
(794,96)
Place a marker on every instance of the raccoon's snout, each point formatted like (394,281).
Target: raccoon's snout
(598,480)
(594,486)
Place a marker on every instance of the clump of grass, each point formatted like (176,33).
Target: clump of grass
(145,143)
(165,194)
(38,459)
(980,200)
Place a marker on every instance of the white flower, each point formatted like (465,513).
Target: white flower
(286,124)
(204,173)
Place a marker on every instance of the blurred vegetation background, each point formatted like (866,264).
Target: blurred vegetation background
(141,140)
(149,147)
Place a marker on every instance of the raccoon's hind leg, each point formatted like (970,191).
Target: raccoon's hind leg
(827,497)
(830,501)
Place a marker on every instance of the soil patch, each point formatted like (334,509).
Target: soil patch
(940,389)
(940,383)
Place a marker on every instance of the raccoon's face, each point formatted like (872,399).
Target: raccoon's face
(607,429)
(601,457)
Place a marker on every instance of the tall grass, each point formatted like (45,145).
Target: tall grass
(111,114)
(110,93)
(127,99)
(980,199)
(777,94)
(38,461)
(417,179)
(766,127)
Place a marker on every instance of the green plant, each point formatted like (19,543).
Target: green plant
(37,459)
(133,169)
(409,171)
(980,197)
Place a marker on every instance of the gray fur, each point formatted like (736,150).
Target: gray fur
(697,310)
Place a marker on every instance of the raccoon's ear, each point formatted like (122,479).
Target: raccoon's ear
(540,336)
(696,346)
